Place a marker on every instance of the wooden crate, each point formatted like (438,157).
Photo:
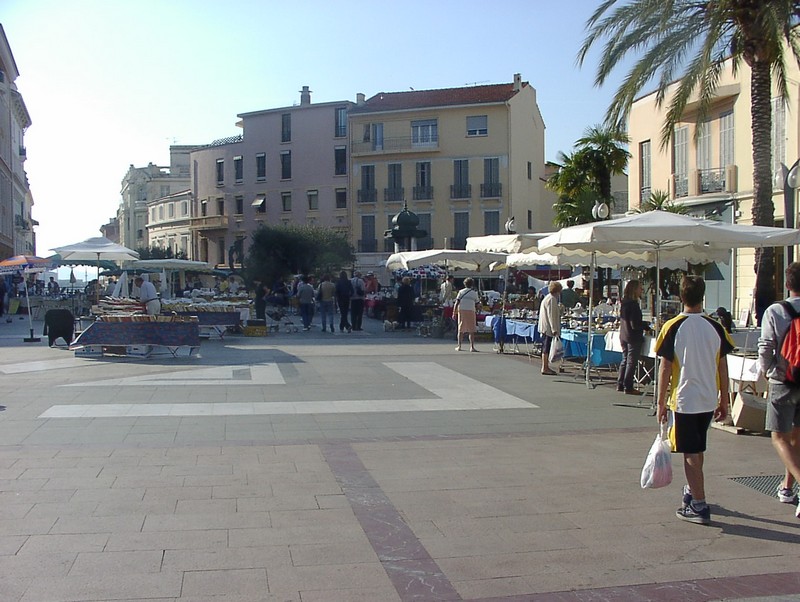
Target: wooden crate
(254,331)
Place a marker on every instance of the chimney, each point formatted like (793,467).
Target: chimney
(360,98)
(517,82)
(305,96)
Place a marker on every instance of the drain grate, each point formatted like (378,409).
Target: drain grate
(766,484)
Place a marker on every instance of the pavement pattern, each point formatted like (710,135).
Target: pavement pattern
(369,466)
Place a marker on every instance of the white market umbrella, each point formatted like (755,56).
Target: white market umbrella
(475,261)
(95,249)
(505,243)
(658,235)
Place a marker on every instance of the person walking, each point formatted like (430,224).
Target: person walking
(344,291)
(305,299)
(783,399)
(631,336)
(357,301)
(549,323)
(693,388)
(325,295)
(260,301)
(405,302)
(464,308)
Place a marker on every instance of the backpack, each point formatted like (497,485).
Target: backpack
(790,347)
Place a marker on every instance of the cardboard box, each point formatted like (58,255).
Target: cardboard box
(749,411)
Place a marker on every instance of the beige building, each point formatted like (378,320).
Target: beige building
(710,169)
(465,160)
(168,222)
(288,167)
(16,201)
(143,184)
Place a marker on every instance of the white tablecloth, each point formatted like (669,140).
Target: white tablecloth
(613,344)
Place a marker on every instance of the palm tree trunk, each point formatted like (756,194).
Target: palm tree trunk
(763,210)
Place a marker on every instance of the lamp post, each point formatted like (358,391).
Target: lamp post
(790,180)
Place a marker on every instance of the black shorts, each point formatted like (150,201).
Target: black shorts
(547,342)
(688,434)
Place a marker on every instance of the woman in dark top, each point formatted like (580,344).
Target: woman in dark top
(344,290)
(631,336)
(405,302)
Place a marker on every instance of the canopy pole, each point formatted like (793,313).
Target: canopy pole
(589,322)
(32,338)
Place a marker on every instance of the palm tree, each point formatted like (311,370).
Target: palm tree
(690,41)
(659,200)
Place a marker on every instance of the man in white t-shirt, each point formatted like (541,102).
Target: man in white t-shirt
(148,296)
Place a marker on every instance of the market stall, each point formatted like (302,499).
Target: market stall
(139,336)
(214,318)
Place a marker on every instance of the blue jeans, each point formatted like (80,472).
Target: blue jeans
(627,368)
(326,313)
(306,314)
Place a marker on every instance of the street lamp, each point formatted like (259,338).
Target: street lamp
(600,210)
(789,179)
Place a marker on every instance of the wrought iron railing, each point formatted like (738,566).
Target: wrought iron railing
(367,195)
(491,189)
(680,185)
(644,194)
(423,193)
(463,191)
(393,195)
(401,143)
(368,246)
(712,180)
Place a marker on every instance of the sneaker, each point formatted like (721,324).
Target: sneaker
(691,514)
(687,496)
(787,495)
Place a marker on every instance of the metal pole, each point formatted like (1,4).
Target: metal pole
(788,205)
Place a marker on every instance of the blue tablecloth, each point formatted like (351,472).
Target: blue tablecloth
(575,342)
(514,329)
(166,334)
(214,318)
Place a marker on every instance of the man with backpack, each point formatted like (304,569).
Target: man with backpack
(780,339)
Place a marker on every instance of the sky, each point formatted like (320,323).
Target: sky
(112,83)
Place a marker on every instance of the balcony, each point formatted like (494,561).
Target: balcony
(23,152)
(388,245)
(680,185)
(712,180)
(491,190)
(210,222)
(644,194)
(367,195)
(368,246)
(461,192)
(393,195)
(20,223)
(394,145)
(716,180)
(423,193)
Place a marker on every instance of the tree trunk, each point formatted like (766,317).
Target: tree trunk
(763,210)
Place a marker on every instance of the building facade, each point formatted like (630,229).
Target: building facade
(288,167)
(143,184)
(16,201)
(464,160)
(709,168)
(110,230)
(169,221)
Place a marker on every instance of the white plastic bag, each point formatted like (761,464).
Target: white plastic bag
(556,353)
(657,470)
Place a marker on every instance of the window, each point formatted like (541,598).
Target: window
(153,214)
(286,201)
(460,229)
(221,251)
(341,198)
(491,178)
(423,189)
(726,139)
(220,171)
(185,244)
(394,188)
(171,210)
(491,222)
(203,208)
(367,192)
(368,243)
(704,146)
(286,127)
(340,161)
(286,165)
(778,133)
(261,167)
(530,170)
(424,133)
(530,219)
(239,201)
(260,203)
(164,190)
(313,200)
(142,193)
(680,161)
(426,242)
(461,188)
(238,170)
(161,212)
(644,171)
(220,206)
(477,125)
(340,128)
(184,208)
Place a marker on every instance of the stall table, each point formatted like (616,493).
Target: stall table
(139,339)
(576,341)
(215,323)
(515,331)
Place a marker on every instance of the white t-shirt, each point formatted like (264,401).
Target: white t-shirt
(466,299)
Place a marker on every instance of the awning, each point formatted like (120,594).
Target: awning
(259,202)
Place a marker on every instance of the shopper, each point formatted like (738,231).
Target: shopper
(344,291)
(405,302)
(305,299)
(783,400)
(631,336)
(325,296)
(693,388)
(549,323)
(357,301)
(464,308)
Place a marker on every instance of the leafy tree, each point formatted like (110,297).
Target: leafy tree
(690,41)
(660,200)
(156,252)
(280,251)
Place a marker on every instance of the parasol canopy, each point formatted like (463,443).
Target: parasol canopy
(95,249)
(24,263)
(475,261)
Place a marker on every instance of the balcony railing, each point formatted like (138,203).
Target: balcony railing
(463,191)
(644,194)
(680,185)
(398,144)
(368,246)
(712,180)
(367,195)
(423,193)
(388,245)
(491,190)
(210,222)
(393,195)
